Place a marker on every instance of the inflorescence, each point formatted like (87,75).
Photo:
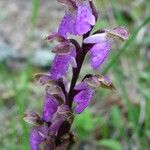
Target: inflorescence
(51,130)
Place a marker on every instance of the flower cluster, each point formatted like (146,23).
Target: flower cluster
(52,129)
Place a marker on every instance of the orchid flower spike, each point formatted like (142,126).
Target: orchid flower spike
(51,129)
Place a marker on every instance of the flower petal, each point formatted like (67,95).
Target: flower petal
(96,38)
(63,114)
(83,98)
(50,107)
(81,86)
(78,20)
(80,107)
(61,64)
(68,24)
(36,137)
(85,19)
(98,54)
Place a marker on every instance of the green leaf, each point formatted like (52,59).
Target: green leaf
(111,144)
(84,123)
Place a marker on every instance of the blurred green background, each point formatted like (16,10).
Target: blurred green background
(117,120)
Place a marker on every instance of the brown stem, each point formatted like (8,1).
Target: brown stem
(76,71)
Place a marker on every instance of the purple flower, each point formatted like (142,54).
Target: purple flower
(102,44)
(53,99)
(86,89)
(78,18)
(63,47)
(84,97)
(65,55)
(85,19)
(53,92)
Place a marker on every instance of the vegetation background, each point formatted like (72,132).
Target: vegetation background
(117,120)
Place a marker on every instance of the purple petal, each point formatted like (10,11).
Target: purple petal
(56,125)
(85,19)
(50,107)
(83,98)
(61,64)
(81,86)
(77,21)
(68,24)
(36,137)
(98,54)
(64,108)
(96,38)
(80,107)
